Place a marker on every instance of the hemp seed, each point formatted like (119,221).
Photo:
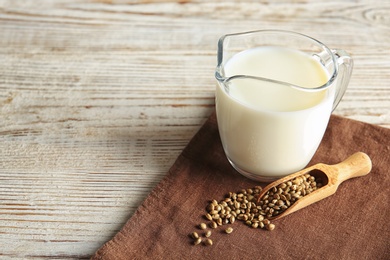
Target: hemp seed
(197,241)
(270,227)
(228,230)
(213,224)
(202,226)
(208,216)
(194,235)
(208,242)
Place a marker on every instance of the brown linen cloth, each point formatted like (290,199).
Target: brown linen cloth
(351,224)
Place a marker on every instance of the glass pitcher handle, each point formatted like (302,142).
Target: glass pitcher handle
(345,64)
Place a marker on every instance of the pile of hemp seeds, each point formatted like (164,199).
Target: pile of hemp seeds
(246,206)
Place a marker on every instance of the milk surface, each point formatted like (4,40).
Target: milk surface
(269,129)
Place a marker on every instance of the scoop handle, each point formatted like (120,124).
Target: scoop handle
(358,164)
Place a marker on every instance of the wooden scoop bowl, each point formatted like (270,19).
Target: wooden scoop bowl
(358,164)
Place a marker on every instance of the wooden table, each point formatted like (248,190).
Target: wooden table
(99,97)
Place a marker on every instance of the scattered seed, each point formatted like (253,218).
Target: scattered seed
(270,227)
(197,241)
(229,230)
(213,224)
(208,233)
(194,235)
(202,226)
(261,224)
(208,242)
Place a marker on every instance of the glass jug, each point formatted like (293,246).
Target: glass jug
(276,91)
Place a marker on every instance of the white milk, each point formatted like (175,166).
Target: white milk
(269,129)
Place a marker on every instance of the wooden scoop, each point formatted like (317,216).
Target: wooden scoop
(358,164)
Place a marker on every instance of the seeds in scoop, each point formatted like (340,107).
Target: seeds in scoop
(285,194)
(228,230)
(208,242)
(202,226)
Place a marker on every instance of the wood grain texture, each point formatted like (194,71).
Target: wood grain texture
(98,98)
